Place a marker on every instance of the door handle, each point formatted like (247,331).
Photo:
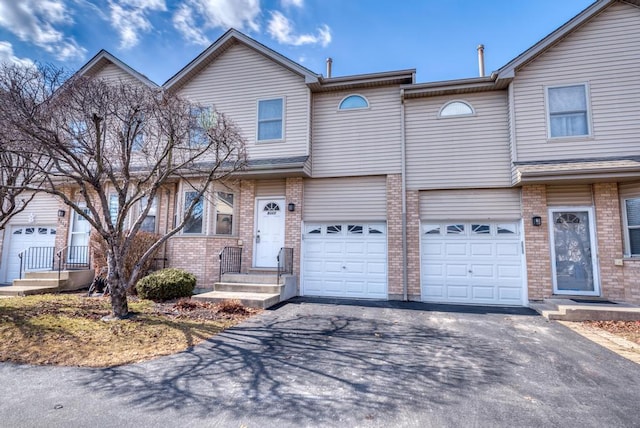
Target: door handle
(257,239)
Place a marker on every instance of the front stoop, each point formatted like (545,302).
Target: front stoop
(568,310)
(48,282)
(254,290)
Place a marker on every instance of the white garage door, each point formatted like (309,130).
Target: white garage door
(345,260)
(21,238)
(477,263)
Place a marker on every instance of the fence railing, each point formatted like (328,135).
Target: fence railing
(285,262)
(230,260)
(45,258)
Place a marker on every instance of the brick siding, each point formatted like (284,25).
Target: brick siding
(534,203)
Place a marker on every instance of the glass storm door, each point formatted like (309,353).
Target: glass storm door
(574,262)
(78,249)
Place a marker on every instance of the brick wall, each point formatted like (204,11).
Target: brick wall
(246,213)
(395,263)
(293,220)
(631,274)
(609,236)
(534,203)
(413,245)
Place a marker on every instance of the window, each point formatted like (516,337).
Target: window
(137,126)
(456,108)
(431,229)
(200,123)
(114,207)
(224,213)
(270,119)
(480,229)
(194,222)
(455,229)
(632,211)
(149,222)
(79,135)
(568,114)
(352,102)
(354,229)
(334,229)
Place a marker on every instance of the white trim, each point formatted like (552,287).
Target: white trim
(525,274)
(594,248)
(366,100)
(448,103)
(587,94)
(284,116)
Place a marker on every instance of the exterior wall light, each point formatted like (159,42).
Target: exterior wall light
(291,207)
(536,220)
(61,213)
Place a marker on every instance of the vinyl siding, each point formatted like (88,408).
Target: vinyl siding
(113,73)
(270,188)
(470,204)
(345,199)
(576,194)
(234,82)
(43,208)
(357,142)
(629,190)
(604,54)
(458,152)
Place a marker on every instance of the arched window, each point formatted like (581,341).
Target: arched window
(353,102)
(456,108)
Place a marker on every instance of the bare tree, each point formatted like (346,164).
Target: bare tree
(125,139)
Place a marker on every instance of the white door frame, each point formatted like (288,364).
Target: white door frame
(72,221)
(594,250)
(279,199)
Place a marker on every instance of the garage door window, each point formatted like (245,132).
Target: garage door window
(354,229)
(473,229)
(345,229)
(455,229)
(480,229)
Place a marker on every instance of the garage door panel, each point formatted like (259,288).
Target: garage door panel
(455,249)
(352,261)
(472,267)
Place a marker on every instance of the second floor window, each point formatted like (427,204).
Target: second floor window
(568,112)
(270,119)
(200,122)
(114,207)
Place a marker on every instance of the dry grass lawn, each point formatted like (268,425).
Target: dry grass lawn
(66,329)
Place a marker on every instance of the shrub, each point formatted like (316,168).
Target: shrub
(166,284)
(141,243)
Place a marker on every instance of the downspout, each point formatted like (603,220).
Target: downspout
(403,174)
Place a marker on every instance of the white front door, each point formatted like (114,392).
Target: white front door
(78,250)
(574,264)
(269,238)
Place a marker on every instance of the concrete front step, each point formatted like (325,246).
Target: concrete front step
(568,310)
(19,290)
(247,287)
(251,278)
(251,300)
(40,282)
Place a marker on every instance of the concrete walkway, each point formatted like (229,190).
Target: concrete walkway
(316,363)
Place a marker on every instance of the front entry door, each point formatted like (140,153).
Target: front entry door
(269,231)
(574,262)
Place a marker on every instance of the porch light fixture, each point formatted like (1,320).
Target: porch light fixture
(536,220)
(291,207)
(61,213)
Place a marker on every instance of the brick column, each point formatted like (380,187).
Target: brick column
(395,264)
(413,244)
(609,235)
(246,212)
(536,240)
(293,220)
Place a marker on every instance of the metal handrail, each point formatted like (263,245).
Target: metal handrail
(36,258)
(20,256)
(285,262)
(230,260)
(81,251)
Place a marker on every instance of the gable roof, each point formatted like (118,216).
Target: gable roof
(103,58)
(508,71)
(228,39)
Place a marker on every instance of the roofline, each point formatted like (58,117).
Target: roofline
(474,84)
(233,34)
(104,54)
(508,70)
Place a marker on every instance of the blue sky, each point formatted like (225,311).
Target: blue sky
(158,37)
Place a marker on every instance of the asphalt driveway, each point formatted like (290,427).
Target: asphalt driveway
(318,363)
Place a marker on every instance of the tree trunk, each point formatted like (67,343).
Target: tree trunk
(119,305)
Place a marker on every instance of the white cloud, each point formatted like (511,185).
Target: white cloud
(195,16)
(281,29)
(130,18)
(292,3)
(35,21)
(7,56)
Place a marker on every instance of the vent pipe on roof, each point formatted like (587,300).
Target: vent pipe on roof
(481,60)
(329,62)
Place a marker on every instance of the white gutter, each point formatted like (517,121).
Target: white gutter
(405,285)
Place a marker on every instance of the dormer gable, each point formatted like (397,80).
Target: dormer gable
(106,65)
